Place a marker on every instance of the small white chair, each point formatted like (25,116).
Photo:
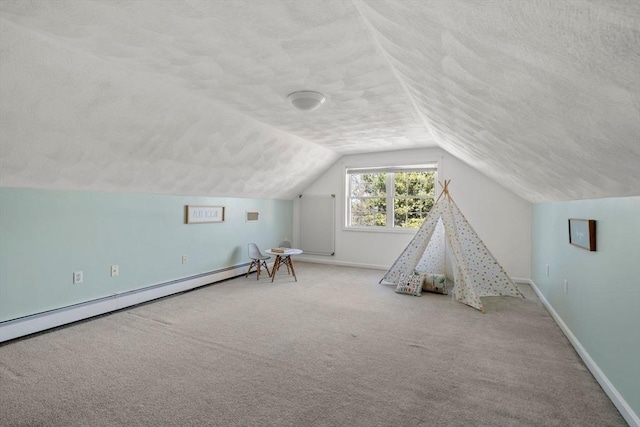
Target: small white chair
(285,244)
(257,260)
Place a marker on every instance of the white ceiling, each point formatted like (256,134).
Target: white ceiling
(189,96)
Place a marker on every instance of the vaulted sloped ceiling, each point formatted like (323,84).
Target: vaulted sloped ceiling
(189,96)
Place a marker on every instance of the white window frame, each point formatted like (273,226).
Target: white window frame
(390,196)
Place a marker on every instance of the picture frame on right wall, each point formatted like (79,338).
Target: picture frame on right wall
(582,233)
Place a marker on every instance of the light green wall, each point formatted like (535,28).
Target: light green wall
(602,305)
(46,235)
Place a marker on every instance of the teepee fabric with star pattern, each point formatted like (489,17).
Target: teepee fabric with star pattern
(478,273)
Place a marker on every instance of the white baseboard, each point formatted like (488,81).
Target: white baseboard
(625,410)
(341,263)
(17,328)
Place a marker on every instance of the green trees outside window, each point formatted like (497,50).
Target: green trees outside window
(390,199)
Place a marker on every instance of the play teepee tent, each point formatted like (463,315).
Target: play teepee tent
(476,273)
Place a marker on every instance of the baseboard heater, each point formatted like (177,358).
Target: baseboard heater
(39,322)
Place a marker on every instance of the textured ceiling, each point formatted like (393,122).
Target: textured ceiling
(189,96)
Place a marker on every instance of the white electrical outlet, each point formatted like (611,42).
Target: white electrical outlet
(184,259)
(77,277)
(566,286)
(115,270)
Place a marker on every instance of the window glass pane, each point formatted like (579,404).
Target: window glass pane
(426,184)
(415,183)
(401,182)
(368,185)
(368,212)
(410,213)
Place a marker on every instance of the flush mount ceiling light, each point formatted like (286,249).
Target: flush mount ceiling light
(306,100)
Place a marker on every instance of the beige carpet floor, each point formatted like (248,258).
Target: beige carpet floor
(333,349)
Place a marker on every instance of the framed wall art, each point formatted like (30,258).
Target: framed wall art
(582,233)
(204,214)
(252,216)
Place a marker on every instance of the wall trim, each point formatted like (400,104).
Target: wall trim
(302,258)
(620,403)
(16,328)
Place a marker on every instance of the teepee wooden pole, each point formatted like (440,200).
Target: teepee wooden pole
(445,189)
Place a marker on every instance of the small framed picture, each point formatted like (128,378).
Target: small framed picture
(253,216)
(582,233)
(204,214)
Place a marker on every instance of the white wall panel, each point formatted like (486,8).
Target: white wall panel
(317,224)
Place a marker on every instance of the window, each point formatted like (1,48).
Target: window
(389,197)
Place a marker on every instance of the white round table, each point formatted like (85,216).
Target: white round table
(283,258)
